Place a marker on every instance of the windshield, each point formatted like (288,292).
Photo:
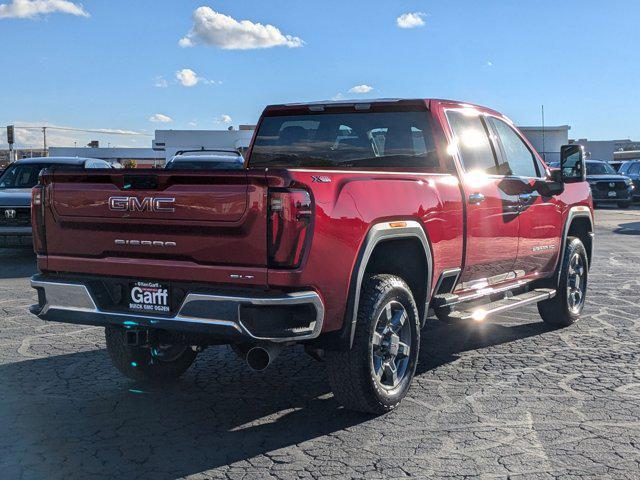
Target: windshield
(364,139)
(600,168)
(21,176)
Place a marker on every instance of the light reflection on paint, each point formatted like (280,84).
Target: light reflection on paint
(134,364)
(133,390)
(477,179)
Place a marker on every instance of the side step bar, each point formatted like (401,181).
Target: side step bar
(481,312)
(450,299)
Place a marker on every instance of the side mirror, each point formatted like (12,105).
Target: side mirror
(572,167)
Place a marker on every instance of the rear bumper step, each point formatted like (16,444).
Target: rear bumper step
(508,303)
(288,317)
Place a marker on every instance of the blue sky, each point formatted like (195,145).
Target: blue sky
(97,64)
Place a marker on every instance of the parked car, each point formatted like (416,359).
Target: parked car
(205,160)
(616,164)
(609,186)
(351,222)
(16,183)
(632,170)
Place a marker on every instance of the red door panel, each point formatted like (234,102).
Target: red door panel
(492,230)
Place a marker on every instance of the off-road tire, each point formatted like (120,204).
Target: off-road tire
(139,364)
(555,311)
(350,372)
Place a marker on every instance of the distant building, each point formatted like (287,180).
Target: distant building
(143,157)
(21,153)
(602,149)
(165,145)
(624,155)
(172,141)
(548,140)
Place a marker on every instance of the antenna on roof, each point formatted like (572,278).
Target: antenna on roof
(544,150)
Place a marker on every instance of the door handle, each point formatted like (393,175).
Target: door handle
(476,198)
(525,198)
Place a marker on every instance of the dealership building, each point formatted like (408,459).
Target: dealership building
(547,140)
(164,146)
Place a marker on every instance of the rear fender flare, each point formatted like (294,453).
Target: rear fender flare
(378,233)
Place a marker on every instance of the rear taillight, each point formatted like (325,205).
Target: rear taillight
(37,219)
(290,216)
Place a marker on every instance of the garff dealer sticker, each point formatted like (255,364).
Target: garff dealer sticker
(149,297)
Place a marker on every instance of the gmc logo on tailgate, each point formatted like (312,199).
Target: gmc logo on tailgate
(146,204)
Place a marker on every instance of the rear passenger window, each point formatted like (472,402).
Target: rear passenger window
(520,160)
(634,169)
(473,142)
(364,139)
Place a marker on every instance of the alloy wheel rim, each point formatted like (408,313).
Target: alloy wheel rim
(391,345)
(576,282)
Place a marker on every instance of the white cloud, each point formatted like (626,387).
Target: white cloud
(36,8)
(411,20)
(488,63)
(187,77)
(160,118)
(213,28)
(361,89)
(160,82)
(223,119)
(338,96)
(193,123)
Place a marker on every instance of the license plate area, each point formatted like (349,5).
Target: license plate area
(148,297)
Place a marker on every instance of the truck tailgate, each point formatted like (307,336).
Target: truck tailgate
(198,219)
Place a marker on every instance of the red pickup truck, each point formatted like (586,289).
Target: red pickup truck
(351,223)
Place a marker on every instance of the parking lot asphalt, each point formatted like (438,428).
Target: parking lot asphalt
(509,398)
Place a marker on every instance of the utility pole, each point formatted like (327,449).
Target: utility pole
(544,150)
(44,137)
(10,141)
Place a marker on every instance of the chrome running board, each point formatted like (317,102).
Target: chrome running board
(480,313)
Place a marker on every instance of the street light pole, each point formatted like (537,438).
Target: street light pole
(44,137)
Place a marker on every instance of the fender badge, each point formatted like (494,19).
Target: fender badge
(320,179)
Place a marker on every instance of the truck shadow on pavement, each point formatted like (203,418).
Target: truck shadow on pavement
(630,228)
(73,416)
(17,263)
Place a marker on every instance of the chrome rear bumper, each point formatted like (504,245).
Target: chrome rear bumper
(218,315)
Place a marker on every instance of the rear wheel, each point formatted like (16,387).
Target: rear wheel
(376,373)
(624,205)
(161,362)
(565,308)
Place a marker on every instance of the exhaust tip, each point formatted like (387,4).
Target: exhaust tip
(258,358)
